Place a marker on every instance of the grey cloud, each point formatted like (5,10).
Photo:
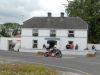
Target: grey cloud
(12,10)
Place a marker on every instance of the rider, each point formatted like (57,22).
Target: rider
(54,50)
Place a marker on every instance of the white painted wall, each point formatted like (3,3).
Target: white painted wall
(26,32)
(4,42)
(80,33)
(82,42)
(62,33)
(44,32)
(80,38)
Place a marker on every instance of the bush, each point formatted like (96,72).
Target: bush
(28,69)
(90,55)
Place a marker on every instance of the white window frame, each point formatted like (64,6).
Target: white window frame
(69,33)
(53,32)
(35,31)
(35,44)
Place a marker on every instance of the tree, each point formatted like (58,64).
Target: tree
(1,35)
(8,29)
(88,10)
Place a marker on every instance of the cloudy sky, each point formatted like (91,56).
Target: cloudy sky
(12,10)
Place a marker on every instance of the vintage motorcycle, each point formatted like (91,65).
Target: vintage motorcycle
(55,53)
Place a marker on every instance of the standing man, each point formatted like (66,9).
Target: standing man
(47,46)
(72,46)
(76,47)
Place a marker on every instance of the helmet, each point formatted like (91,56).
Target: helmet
(55,46)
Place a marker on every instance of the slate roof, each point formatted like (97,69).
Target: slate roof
(56,22)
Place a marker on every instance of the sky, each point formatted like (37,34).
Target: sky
(18,11)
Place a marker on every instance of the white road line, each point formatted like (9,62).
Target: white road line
(68,57)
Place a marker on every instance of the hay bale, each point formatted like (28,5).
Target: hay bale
(90,55)
(40,53)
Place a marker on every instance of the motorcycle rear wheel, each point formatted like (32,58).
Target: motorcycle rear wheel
(46,54)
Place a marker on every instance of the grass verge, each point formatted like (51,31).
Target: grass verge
(26,69)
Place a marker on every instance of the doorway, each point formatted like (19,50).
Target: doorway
(52,43)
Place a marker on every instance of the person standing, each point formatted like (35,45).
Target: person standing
(67,46)
(93,47)
(44,46)
(47,46)
(72,46)
(76,47)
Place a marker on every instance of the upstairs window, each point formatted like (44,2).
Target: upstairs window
(35,43)
(70,33)
(52,33)
(35,32)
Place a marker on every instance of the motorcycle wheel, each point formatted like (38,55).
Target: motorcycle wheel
(46,54)
(59,55)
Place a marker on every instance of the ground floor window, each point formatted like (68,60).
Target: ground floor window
(70,42)
(35,44)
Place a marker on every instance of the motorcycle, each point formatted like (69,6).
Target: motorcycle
(49,53)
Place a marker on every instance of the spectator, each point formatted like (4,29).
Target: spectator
(44,46)
(71,46)
(86,48)
(67,46)
(76,47)
(93,47)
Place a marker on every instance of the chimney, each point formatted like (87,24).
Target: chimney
(49,14)
(62,15)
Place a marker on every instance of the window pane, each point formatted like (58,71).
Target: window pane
(52,31)
(35,46)
(71,31)
(70,35)
(35,41)
(35,30)
(70,42)
(35,34)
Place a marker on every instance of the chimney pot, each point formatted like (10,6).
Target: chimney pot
(49,14)
(62,14)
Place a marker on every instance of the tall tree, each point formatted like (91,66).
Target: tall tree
(8,29)
(88,10)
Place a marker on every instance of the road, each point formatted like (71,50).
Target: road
(77,64)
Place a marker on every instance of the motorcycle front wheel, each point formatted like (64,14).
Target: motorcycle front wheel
(59,55)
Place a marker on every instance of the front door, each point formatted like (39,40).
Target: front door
(52,43)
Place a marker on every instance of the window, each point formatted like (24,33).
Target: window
(70,42)
(35,32)
(52,33)
(71,34)
(35,44)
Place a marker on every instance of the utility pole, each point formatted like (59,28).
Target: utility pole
(22,19)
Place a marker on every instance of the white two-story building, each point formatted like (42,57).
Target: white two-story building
(56,30)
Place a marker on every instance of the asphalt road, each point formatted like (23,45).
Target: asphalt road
(78,64)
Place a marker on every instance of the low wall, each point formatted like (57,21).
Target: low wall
(64,52)
(4,44)
(77,52)
(97,46)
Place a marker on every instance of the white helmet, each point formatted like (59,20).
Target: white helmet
(55,46)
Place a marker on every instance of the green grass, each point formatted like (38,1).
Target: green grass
(26,69)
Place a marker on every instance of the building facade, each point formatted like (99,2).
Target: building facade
(55,30)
